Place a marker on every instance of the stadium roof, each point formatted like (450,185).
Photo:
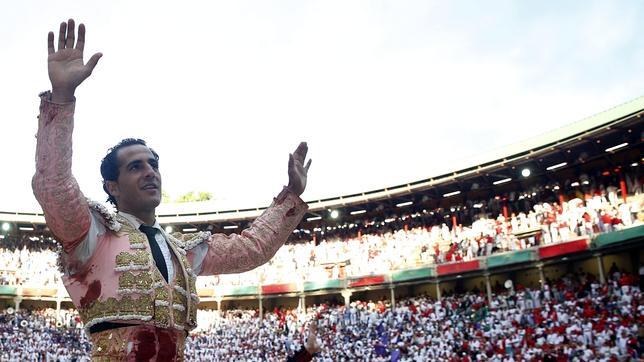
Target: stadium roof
(608,121)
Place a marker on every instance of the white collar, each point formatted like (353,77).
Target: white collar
(136,222)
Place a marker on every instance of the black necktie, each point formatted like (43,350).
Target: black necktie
(150,232)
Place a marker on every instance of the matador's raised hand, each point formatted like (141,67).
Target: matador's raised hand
(312,346)
(296,170)
(66,68)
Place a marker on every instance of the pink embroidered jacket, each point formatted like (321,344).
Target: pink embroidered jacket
(120,282)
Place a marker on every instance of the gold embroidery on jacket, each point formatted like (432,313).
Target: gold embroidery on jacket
(162,294)
(180,317)
(137,239)
(162,316)
(166,304)
(178,299)
(108,344)
(183,287)
(141,282)
(138,258)
(112,308)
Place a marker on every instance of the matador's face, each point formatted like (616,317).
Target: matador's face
(138,187)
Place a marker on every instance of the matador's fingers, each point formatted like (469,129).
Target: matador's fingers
(91,63)
(300,152)
(308,164)
(291,161)
(71,34)
(61,35)
(80,44)
(50,43)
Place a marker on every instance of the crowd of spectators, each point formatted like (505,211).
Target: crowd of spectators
(574,318)
(408,240)
(29,262)
(408,243)
(42,335)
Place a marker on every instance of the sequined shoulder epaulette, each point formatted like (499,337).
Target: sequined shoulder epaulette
(191,240)
(108,216)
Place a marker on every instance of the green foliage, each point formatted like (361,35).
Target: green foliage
(165,197)
(193,196)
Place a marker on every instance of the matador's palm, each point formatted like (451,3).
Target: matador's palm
(297,171)
(66,68)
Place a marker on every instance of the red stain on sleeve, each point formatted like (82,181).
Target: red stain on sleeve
(93,292)
(81,275)
(290,212)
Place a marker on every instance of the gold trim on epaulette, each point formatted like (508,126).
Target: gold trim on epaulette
(201,237)
(178,243)
(126,227)
(189,241)
(111,220)
(179,236)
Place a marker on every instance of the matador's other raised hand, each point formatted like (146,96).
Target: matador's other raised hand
(312,346)
(66,68)
(297,172)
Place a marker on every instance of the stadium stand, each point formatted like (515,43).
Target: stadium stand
(572,317)
(398,243)
(480,263)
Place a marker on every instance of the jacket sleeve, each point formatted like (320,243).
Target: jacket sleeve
(254,246)
(66,209)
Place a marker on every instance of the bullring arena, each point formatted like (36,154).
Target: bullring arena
(533,254)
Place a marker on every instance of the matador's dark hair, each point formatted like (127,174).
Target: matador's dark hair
(110,165)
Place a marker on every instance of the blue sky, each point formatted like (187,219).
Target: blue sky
(385,92)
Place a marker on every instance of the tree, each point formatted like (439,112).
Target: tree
(193,196)
(165,197)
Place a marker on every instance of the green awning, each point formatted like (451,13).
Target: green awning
(240,290)
(326,284)
(603,240)
(410,274)
(513,257)
(7,290)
